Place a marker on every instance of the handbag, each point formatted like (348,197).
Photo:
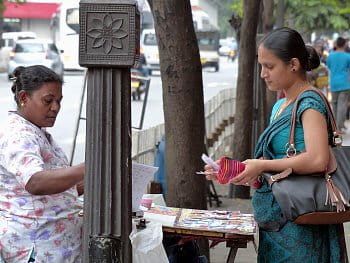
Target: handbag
(321,198)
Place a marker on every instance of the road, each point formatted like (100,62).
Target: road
(66,122)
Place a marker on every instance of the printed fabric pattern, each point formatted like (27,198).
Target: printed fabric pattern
(47,224)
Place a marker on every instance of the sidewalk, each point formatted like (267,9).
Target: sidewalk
(219,253)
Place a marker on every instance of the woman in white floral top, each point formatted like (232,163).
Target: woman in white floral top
(39,219)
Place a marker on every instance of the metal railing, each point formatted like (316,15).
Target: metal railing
(219,121)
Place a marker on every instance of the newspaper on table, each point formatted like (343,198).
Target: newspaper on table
(163,214)
(141,176)
(216,220)
(233,222)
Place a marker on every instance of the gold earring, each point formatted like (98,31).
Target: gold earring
(22,104)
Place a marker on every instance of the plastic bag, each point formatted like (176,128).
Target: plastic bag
(147,246)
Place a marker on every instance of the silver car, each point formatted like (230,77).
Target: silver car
(30,52)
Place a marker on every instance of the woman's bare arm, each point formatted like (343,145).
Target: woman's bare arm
(56,180)
(313,160)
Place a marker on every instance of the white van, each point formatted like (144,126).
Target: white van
(149,48)
(9,41)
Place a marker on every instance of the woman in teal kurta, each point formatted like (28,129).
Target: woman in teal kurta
(284,60)
(284,241)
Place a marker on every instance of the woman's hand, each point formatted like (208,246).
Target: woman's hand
(253,168)
(210,173)
(80,187)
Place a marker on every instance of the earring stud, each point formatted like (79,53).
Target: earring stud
(293,69)
(22,104)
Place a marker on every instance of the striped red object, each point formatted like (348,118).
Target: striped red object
(229,169)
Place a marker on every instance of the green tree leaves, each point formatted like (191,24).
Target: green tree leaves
(318,15)
(312,15)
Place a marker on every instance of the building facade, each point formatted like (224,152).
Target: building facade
(36,15)
(30,16)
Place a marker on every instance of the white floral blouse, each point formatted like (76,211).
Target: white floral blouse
(48,225)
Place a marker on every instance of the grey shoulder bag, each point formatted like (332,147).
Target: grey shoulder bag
(315,198)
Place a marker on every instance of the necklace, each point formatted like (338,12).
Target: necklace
(282,107)
(286,103)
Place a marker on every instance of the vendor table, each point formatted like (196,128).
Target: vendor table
(232,227)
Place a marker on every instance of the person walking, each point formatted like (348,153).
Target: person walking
(338,63)
(284,60)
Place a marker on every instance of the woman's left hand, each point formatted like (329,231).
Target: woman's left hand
(80,187)
(253,168)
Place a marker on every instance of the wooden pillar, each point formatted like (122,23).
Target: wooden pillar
(109,40)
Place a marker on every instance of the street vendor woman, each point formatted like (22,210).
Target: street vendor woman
(39,209)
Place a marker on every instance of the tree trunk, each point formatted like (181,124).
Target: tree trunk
(269,95)
(268,15)
(281,9)
(245,83)
(181,75)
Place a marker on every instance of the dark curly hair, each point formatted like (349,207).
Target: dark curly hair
(287,43)
(32,78)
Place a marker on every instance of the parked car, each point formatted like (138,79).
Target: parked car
(149,48)
(30,52)
(8,43)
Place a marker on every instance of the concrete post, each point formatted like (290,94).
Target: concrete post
(108,46)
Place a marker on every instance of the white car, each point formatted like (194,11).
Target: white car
(30,52)
(149,48)
(9,41)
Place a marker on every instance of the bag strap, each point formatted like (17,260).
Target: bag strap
(334,196)
(337,139)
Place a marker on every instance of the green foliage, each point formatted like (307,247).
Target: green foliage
(228,7)
(2,5)
(318,15)
(237,7)
(225,13)
(311,15)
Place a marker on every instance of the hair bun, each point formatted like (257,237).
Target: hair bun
(18,71)
(313,58)
(16,86)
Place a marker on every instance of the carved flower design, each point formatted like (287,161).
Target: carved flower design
(107,33)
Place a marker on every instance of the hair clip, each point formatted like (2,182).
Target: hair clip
(13,79)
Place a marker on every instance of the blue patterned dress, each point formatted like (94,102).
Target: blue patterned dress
(281,241)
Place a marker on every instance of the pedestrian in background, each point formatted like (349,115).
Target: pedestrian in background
(284,60)
(338,63)
(319,77)
(39,206)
